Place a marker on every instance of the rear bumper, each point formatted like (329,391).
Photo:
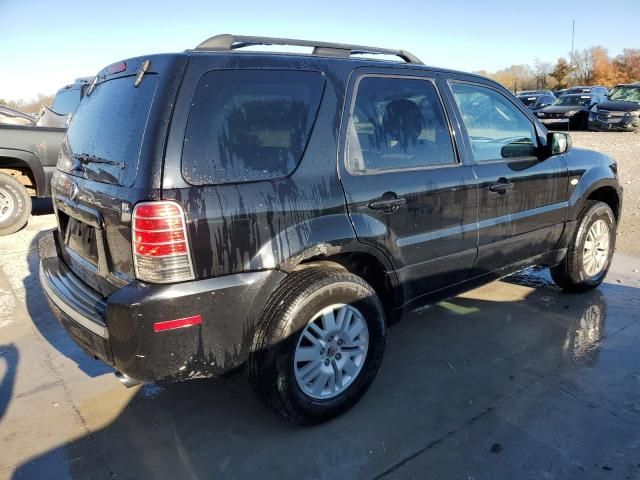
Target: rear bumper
(120,329)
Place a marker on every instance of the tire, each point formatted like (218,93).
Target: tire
(572,274)
(275,372)
(15,205)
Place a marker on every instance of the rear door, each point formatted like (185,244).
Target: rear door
(407,190)
(522,197)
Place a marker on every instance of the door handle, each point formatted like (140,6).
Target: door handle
(502,186)
(388,203)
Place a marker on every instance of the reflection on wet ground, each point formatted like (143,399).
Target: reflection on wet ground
(513,380)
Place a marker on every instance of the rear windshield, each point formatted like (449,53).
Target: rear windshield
(248,125)
(105,134)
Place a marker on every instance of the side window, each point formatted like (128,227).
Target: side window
(497,129)
(397,123)
(248,125)
(66,101)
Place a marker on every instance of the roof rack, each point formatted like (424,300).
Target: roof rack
(227,42)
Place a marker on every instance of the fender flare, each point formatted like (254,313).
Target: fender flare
(34,164)
(589,183)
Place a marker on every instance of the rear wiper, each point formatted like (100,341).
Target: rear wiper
(84,159)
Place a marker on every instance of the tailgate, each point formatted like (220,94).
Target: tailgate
(110,160)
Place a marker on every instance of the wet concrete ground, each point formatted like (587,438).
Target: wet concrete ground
(511,381)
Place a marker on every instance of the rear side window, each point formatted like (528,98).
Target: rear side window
(248,125)
(66,101)
(397,123)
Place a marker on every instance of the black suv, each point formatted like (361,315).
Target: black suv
(220,208)
(620,112)
(570,111)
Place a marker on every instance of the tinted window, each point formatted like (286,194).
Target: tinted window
(397,123)
(109,124)
(247,125)
(574,100)
(66,101)
(497,129)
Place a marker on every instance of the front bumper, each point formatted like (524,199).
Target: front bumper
(618,124)
(554,121)
(120,329)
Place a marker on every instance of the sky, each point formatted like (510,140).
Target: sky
(45,45)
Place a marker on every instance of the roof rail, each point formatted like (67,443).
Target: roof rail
(227,42)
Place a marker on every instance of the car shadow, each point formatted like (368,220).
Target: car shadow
(445,366)
(9,356)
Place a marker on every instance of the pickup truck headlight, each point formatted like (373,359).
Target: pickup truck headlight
(571,113)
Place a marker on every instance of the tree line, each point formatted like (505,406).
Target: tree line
(591,66)
(29,106)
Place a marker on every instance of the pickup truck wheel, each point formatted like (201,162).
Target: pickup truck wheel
(590,251)
(318,346)
(15,205)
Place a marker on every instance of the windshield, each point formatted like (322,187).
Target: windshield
(627,94)
(528,100)
(573,100)
(105,135)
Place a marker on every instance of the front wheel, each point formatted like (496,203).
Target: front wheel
(590,251)
(319,345)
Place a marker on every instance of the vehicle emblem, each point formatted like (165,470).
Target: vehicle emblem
(74,191)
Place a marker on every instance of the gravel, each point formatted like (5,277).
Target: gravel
(625,148)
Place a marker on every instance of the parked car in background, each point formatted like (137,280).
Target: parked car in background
(219,209)
(28,154)
(559,93)
(533,92)
(621,110)
(64,104)
(9,116)
(570,111)
(537,101)
(595,89)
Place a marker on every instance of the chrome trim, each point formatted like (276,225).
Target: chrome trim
(70,312)
(491,222)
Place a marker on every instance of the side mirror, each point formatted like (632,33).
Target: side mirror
(559,142)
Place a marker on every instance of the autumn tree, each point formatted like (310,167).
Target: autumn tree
(628,64)
(604,71)
(561,73)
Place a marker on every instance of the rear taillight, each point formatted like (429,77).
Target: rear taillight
(160,245)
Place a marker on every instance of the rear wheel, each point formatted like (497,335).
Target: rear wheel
(590,252)
(319,345)
(15,205)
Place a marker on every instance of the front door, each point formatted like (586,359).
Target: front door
(522,196)
(407,191)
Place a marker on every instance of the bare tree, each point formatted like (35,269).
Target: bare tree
(542,71)
(582,62)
